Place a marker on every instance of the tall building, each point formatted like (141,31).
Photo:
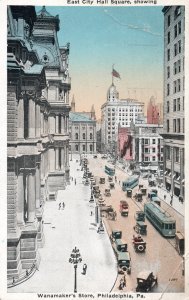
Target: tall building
(174,92)
(37,130)
(116,112)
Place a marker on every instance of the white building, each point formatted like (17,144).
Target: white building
(174,98)
(116,112)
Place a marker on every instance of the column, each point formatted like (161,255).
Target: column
(31,197)
(172,170)
(20,195)
(42,123)
(62,159)
(181,171)
(38,185)
(56,131)
(31,118)
(38,120)
(20,132)
(62,125)
(57,158)
(51,159)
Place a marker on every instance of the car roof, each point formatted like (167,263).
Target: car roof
(144,274)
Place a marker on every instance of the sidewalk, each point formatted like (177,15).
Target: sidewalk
(64,229)
(176,205)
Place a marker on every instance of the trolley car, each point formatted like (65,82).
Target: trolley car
(130,183)
(161,220)
(110,170)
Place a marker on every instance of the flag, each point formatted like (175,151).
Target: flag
(115,74)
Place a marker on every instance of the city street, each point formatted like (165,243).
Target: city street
(75,226)
(160,253)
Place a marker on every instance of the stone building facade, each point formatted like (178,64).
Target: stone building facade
(37,130)
(174,98)
(82,133)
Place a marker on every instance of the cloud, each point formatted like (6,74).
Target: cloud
(145,28)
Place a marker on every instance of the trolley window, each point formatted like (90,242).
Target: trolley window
(166,226)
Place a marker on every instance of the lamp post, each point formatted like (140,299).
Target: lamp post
(75,258)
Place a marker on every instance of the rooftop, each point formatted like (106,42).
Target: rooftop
(79,117)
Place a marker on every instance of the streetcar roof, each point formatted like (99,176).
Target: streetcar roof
(131,178)
(144,274)
(161,213)
(109,166)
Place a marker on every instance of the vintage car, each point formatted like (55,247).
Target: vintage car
(139,244)
(140,228)
(107,192)
(143,191)
(140,215)
(102,180)
(124,262)
(138,196)
(110,178)
(112,185)
(95,156)
(124,208)
(129,193)
(146,280)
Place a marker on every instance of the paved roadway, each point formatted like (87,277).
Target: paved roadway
(160,255)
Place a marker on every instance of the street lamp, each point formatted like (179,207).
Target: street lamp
(75,258)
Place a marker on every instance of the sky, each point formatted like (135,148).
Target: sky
(131,38)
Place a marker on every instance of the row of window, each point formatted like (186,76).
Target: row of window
(177,50)
(176,154)
(84,136)
(176,125)
(147,158)
(176,105)
(84,148)
(177,13)
(125,110)
(83,128)
(176,86)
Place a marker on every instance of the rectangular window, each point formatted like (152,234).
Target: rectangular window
(168,37)
(178,85)
(168,20)
(178,104)
(146,150)
(175,49)
(168,72)
(168,54)
(167,106)
(178,66)
(146,141)
(174,87)
(153,158)
(175,31)
(174,125)
(178,125)
(179,27)
(175,68)
(153,141)
(183,125)
(153,150)
(174,105)
(179,46)
(168,154)
(168,89)
(176,154)
(167,125)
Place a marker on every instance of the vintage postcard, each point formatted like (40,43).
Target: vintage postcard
(94,149)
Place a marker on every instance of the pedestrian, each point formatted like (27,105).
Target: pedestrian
(59,205)
(75,181)
(91,213)
(84,269)
(119,182)
(164,197)
(115,178)
(63,205)
(124,280)
(171,202)
(121,284)
(26,272)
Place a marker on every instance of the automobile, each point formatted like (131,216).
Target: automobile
(146,280)
(124,261)
(138,196)
(95,156)
(107,192)
(102,180)
(120,246)
(129,193)
(140,227)
(143,191)
(140,215)
(104,156)
(110,178)
(124,208)
(139,244)
(116,234)
(112,185)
